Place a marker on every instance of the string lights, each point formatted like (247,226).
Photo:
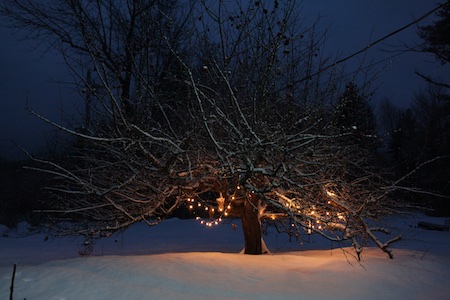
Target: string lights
(192,203)
(325,215)
(316,218)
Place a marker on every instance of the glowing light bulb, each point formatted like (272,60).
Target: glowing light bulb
(331,194)
(191,206)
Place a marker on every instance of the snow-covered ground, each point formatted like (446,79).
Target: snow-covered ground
(181,259)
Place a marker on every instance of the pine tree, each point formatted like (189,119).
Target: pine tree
(354,113)
(437,35)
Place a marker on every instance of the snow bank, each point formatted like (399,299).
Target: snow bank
(180,259)
(198,275)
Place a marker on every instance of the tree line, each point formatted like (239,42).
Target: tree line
(419,135)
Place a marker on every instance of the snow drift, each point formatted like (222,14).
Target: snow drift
(180,259)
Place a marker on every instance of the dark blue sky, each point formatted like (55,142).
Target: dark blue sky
(353,24)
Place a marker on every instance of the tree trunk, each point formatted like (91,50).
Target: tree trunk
(252,227)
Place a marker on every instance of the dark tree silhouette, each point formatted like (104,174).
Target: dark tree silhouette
(420,140)
(437,35)
(354,114)
(436,39)
(403,145)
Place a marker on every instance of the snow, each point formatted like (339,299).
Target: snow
(181,259)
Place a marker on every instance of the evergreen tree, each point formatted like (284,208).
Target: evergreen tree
(354,114)
(437,35)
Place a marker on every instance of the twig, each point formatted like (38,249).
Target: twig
(373,43)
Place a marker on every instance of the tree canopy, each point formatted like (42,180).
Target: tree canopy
(215,104)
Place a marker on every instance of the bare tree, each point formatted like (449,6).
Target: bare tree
(242,126)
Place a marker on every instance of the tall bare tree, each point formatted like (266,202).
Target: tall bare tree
(241,126)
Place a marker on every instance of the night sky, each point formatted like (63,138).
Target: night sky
(30,72)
